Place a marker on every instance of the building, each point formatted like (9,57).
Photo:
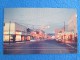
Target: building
(69,34)
(72,24)
(38,34)
(14,32)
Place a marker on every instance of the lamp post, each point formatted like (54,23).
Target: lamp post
(9,31)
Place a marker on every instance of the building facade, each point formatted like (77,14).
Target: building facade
(69,35)
(72,24)
(14,32)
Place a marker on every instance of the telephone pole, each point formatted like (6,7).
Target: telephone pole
(9,31)
(64,31)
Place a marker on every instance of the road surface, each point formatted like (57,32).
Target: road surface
(39,47)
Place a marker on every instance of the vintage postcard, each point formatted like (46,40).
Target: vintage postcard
(40,31)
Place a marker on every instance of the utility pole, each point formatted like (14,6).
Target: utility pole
(9,31)
(64,31)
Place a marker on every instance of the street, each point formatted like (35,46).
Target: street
(39,47)
(40,31)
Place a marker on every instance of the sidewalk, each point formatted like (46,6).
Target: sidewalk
(71,42)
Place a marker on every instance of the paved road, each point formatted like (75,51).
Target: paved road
(39,47)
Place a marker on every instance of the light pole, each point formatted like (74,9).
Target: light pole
(9,31)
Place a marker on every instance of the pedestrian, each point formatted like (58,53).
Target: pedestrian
(14,37)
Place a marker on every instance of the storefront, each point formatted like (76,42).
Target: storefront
(67,37)
(15,32)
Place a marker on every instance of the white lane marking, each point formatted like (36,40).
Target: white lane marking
(71,46)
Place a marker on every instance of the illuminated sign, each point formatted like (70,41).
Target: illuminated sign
(8,32)
(19,33)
